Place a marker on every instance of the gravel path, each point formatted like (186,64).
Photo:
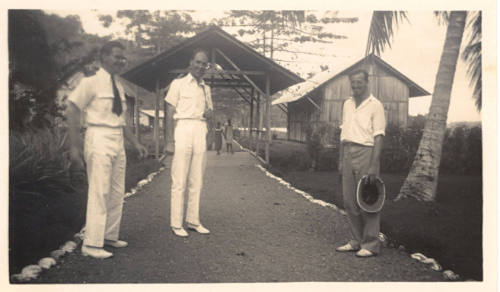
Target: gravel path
(261,232)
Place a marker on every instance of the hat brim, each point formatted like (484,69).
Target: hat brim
(376,206)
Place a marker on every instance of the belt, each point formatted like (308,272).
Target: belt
(192,119)
(355,144)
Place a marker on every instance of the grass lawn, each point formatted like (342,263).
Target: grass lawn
(449,229)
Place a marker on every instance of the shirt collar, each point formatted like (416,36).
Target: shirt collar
(103,73)
(364,102)
(190,78)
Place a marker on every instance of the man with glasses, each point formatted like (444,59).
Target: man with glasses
(103,100)
(190,103)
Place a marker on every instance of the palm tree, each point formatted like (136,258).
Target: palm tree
(422,179)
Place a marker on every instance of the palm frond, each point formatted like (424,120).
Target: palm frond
(442,17)
(472,56)
(382,27)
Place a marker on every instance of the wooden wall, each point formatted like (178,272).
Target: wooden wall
(392,92)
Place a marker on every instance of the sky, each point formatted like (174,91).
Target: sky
(415,51)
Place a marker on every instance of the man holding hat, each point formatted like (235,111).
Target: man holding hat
(363,128)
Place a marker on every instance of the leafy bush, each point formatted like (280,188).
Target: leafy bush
(400,147)
(236,133)
(462,151)
(46,198)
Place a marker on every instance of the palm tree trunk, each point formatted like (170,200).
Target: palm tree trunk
(422,180)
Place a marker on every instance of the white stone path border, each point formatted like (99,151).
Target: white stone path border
(31,272)
(434,265)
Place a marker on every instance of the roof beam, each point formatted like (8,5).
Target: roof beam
(211,73)
(237,68)
(315,104)
(241,94)
(283,108)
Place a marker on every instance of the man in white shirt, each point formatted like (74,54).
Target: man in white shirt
(363,129)
(190,104)
(103,100)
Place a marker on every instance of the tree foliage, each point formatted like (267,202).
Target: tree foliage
(155,31)
(278,30)
(44,51)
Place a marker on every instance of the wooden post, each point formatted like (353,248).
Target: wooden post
(164,124)
(137,114)
(156,120)
(268,115)
(250,126)
(259,125)
(288,123)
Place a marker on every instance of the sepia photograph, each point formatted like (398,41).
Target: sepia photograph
(251,146)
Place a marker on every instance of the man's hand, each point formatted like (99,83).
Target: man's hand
(143,152)
(208,114)
(372,175)
(76,157)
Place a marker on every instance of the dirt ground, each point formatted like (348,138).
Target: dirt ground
(261,231)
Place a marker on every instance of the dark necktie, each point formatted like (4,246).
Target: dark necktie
(117,102)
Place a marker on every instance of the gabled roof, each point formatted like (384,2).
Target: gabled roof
(302,89)
(177,57)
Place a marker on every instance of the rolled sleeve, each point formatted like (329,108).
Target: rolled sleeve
(82,95)
(173,93)
(379,120)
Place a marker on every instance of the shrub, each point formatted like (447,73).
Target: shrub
(462,151)
(46,202)
(315,135)
(400,147)
(236,133)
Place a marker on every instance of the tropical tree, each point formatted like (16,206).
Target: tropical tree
(422,179)
(278,30)
(155,31)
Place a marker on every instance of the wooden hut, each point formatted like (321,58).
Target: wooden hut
(320,99)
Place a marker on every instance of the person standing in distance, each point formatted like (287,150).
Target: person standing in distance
(228,135)
(103,99)
(190,105)
(363,129)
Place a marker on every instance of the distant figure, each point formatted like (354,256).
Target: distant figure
(228,135)
(218,137)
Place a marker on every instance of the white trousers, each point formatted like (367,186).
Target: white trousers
(188,167)
(106,161)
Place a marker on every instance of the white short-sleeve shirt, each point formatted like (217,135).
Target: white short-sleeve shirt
(189,98)
(361,124)
(94,95)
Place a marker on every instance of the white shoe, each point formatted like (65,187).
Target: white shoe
(199,228)
(95,252)
(179,232)
(346,247)
(116,243)
(364,253)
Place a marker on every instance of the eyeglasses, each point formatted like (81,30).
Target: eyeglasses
(122,59)
(203,65)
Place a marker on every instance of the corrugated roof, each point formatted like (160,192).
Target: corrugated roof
(300,90)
